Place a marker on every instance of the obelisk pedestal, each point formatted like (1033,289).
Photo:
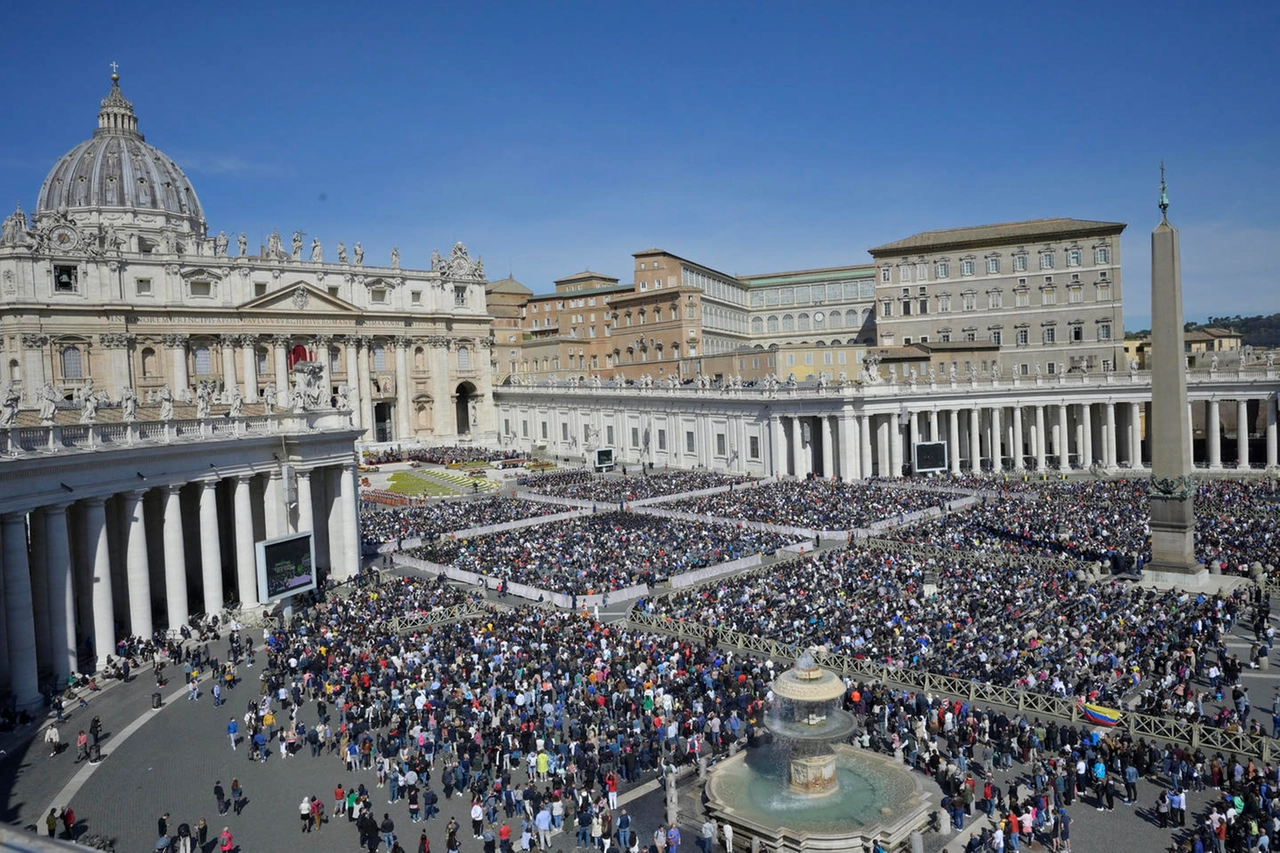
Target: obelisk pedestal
(1172,491)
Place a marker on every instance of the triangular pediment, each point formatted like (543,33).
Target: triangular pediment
(300,298)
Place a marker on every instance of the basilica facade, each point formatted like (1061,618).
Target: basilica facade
(115,287)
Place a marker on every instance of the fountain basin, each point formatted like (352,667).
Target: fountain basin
(872,798)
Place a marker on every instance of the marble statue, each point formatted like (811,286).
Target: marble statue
(1061,371)
(273,244)
(358,253)
(243,243)
(219,243)
(204,396)
(237,404)
(1037,368)
(9,402)
(297,245)
(437,263)
(48,398)
(1133,366)
(269,398)
(299,396)
(342,252)
(317,251)
(473,412)
(344,397)
(1271,360)
(14,230)
(933,374)
(1213,362)
(89,413)
(995,370)
(129,403)
(395,257)
(951,372)
(166,403)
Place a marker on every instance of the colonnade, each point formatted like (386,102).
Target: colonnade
(979,436)
(80,574)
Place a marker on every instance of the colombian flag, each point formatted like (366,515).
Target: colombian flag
(1098,715)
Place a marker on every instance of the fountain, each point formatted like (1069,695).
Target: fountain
(830,796)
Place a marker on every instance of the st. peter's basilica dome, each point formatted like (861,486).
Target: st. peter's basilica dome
(117,170)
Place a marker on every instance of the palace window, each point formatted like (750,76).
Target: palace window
(1020,337)
(944,303)
(1102,255)
(967,267)
(942,269)
(379,357)
(993,266)
(970,300)
(1050,335)
(1104,331)
(995,299)
(1073,257)
(142,287)
(1046,260)
(1019,263)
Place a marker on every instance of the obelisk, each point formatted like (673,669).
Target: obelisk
(1172,491)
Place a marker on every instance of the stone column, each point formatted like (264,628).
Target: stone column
(933,425)
(404,420)
(975,441)
(38,558)
(350,522)
(34,348)
(848,447)
(1135,435)
(997,435)
(175,558)
(884,451)
(62,607)
(323,343)
(777,457)
(913,437)
(137,565)
(228,346)
(351,349)
(953,440)
(895,445)
(104,631)
(273,508)
(1190,434)
(1041,440)
(246,560)
(1110,457)
(1019,449)
(366,388)
(1271,432)
(249,361)
(177,345)
(306,516)
(1213,435)
(1242,433)
(118,346)
(210,548)
(828,458)
(1086,435)
(19,615)
(1062,442)
(797,448)
(864,444)
(280,356)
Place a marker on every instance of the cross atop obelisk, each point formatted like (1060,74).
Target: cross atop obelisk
(1172,492)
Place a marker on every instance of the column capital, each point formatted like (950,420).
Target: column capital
(116,340)
(35,341)
(281,340)
(175,341)
(248,341)
(401,341)
(55,508)
(95,501)
(210,482)
(172,488)
(13,518)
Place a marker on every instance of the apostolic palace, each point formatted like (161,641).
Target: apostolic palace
(172,396)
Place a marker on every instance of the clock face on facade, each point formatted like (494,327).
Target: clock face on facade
(63,237)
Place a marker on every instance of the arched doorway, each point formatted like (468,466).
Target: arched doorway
(466,401)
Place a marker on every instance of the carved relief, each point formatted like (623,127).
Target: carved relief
(116,340)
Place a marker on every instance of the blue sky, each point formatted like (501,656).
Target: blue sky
(749,137)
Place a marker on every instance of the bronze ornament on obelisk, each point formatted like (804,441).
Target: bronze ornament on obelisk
(1172,493)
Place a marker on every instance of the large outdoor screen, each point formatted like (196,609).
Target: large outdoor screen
(604,458)
(931,457)
(286,566)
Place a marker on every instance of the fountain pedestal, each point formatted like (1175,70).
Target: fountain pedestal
(814,774)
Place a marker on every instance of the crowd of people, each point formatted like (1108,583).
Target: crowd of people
(379,524)
(442,455)
(1020,626)
(600,552)
(815,504)
(581,484)
(1108,520)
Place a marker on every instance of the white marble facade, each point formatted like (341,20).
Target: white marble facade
(115,282)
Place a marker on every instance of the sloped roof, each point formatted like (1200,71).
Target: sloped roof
(1031,230)
(507,285)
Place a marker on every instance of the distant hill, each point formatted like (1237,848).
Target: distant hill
(1257,331)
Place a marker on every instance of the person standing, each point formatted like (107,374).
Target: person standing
(673,839)
(51,822)
(304,813)
(54,740)
(162,826)
(233,728)
(220,796)
(388,830)
(82,747)
(225,842)
(624,829)
(707,843)
(728,838)
(237,796)
(202,833)
(543,822)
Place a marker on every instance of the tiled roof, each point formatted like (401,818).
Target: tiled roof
(1002,233)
